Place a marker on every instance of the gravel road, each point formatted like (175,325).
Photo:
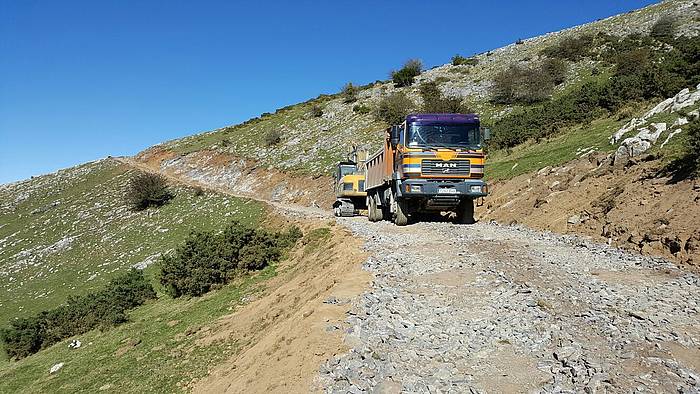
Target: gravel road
(490,308)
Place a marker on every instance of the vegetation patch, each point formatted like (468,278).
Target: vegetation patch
(101,309)
(349,93)
(393,108)
(458,60)
(435,102)
(208,259)
(148,190)
(527,85)
(642,72)
(405,76)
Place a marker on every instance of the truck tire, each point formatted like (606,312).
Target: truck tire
(400,216)
(373,215)
(465,212)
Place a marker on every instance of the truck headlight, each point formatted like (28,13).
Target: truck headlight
(475,188)
(416,188)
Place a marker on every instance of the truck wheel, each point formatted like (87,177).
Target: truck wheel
(372,214)
(400,218)
(465,212)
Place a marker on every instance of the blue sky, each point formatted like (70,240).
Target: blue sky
(80,80)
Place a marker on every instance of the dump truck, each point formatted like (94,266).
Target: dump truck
(350,196)
(431,163)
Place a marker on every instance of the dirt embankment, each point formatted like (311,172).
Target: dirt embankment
(241,176)
(296,323)
(632,207)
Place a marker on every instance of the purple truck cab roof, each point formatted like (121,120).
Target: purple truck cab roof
(443,118)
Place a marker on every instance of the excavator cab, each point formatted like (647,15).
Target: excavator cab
(350,185)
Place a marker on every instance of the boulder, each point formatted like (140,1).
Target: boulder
(631,147)
(680,122)
(574,219)
(55,368)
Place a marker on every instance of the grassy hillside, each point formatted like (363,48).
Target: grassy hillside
(155,352)
(312,145)
(66,233)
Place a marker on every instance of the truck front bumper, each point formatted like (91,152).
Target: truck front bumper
(429,188)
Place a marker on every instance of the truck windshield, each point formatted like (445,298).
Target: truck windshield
(347,169)
(465,135)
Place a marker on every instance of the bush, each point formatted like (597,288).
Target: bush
(405,76)
(435,102)
(316,111)
(665,27)
(642,72)
(458,60)
(101,309)
(554,70)
(349,93)
(694,146)
(519,84)
(361,109)
(272,137)
(571,48)
(392,109)
(206,259)
(146,190)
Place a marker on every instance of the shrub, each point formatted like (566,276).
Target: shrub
(146,190)
(665,27)
(272,137)
(694,146)
(518,84)
(406,75)
(642,72)
(392,109)
(316,111)
(100,309)
(458,60)
(206,259)
(435,102)
(554,70)
(361,109)
(349,93)
(571,48)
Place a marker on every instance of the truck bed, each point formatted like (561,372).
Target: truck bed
(379,167)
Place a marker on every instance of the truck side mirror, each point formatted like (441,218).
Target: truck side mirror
(395,135)
(487,134)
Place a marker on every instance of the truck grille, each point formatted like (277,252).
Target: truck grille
(442,167)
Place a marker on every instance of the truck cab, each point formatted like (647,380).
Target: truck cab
(429,163)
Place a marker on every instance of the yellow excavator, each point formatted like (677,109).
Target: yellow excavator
(350,196)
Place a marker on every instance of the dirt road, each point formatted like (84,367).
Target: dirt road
(489,308)
(492,308)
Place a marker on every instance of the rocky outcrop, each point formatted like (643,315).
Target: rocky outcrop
(648,133)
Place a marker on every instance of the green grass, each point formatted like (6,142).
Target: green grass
(72,232)
(501,165)
(315,239)
(165,359)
